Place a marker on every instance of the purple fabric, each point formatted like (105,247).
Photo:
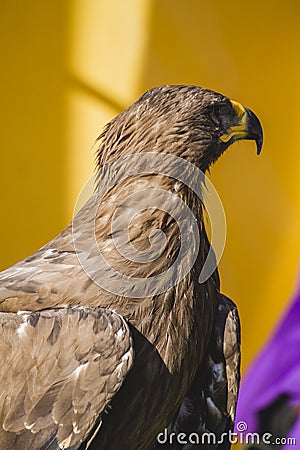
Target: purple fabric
(276,371)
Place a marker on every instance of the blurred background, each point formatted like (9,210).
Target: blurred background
(68,67)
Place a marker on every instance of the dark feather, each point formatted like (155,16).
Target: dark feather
(208,408)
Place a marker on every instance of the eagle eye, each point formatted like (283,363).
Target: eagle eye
(222,110)
(222,114)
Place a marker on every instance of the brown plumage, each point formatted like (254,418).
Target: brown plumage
(88,367)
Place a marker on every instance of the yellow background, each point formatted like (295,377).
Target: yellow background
(70,66)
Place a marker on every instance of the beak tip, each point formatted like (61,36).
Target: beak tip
(258,146)
(255,131)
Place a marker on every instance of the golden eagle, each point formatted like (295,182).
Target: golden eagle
(103,344)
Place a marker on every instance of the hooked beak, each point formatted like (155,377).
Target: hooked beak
(249,127)
(254,129)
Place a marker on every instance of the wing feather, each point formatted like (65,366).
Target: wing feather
(208,408)
(66,366)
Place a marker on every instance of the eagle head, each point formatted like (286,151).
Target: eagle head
(188,121)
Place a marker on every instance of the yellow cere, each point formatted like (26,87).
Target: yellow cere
(238,130)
